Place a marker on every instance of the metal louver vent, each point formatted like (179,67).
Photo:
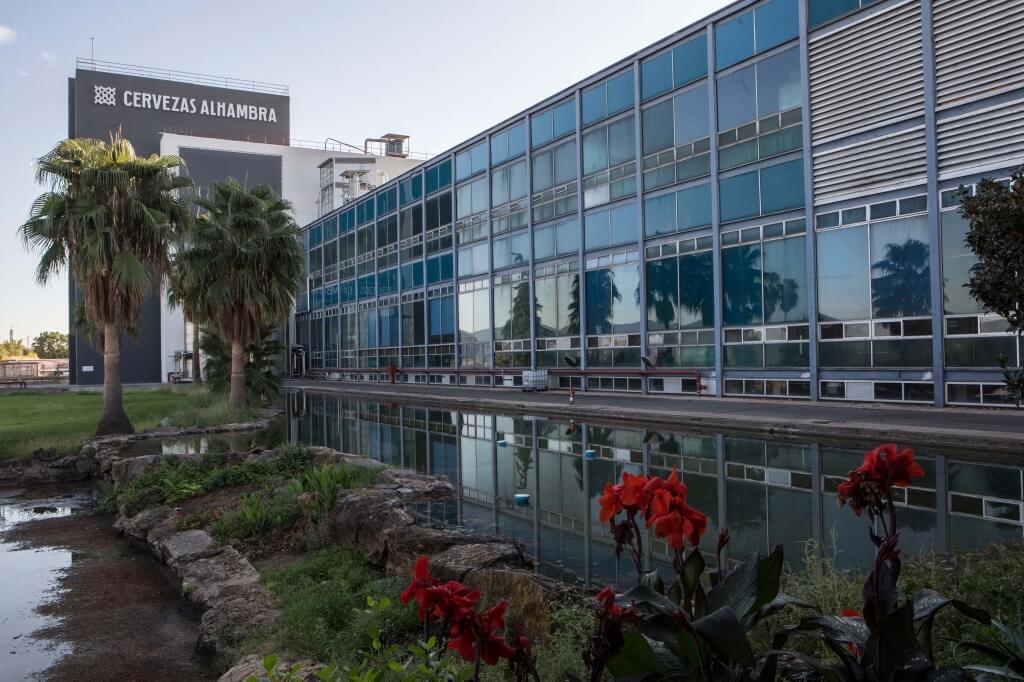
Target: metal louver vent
(982,140)
(979,48)
(886,162)
(867,74)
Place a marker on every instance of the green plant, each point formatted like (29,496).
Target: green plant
(1005,652)
(262,385)
(317,489)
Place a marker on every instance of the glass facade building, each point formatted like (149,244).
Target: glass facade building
(764,203)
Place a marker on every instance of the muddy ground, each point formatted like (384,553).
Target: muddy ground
(120,614)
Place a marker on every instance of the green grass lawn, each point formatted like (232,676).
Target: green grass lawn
(29,421)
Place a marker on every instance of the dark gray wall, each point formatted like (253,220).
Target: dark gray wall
(143,125)
(141,356)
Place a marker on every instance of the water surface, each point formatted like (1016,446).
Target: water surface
(766,491)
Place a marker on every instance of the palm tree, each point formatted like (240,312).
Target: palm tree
(108,218)
(261,383)
(246,261)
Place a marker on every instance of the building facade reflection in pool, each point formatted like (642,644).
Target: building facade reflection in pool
(767,492)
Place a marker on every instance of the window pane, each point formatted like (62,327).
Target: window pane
(782,186)
(565,162)
(662,293)
(691,114)
(734,40)
(696,290)
(843,286)
(620,92)
(690,60)
(621,141)
(776,23)
(657,127)
(957,261)
(737,100)
(900,271)
(542,178)
(623,224)
(540,128)
(594,106)
(564,118)
(595,151)
(738,196)
(820,11)
(693,206)
(656,76)
(597,230)
(741,285)
(544,242)
(660,215)
(785,280)
(778,83)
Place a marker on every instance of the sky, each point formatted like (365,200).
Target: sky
(438,71)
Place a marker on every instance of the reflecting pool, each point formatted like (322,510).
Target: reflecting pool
(767,492)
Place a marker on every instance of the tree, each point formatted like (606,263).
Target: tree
(51,345)
(184,293)
(996,236)
(261,384)
(13,349)
(108,217)
(246,261)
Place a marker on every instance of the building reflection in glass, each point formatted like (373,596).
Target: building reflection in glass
(767,492)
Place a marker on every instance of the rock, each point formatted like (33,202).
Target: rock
(124,470)
(364,520)
(186,546)
(413,484)
(455,563)
(165,423)
(251,666)
(228,622)
(46,454)
(139,525)
(209,579)
(528,594)
(407,544)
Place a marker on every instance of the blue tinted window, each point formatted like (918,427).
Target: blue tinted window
(782,186)
(316,234)
(620,93)
(734,40)
(693,206)
(441,319)
(843,284)
(738,197)
(387,282)
(439,268)
(656,122)
(471,161)
(412,275)
(367,286)
(656,76)
(331,228)
(612,226)
(552,123)
(741,285)
(691,114)
(776,23)
(439,176)
(564,118)
(660,215)
(508,144)
(387,201)
(737,98)
(821,11)
(364,211)
(612,96)
(540,128)
(410,190)
(690,60)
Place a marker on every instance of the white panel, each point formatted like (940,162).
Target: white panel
(979,47)
(860,390)
(983,140)
(868,73)
(886,162)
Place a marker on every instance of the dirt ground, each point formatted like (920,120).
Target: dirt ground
(117,610)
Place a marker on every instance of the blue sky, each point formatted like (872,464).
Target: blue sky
(437,71)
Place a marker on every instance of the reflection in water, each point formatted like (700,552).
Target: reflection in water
(29,578)
(767,492)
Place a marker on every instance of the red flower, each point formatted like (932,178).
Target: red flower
(611,503)
(609,609)
(851,613)
(884,468)
(484,631)
(422,581)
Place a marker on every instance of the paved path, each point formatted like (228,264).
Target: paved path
(991,430)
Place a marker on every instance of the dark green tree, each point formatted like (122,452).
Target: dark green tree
(49,345)
(261,382)
(996,236)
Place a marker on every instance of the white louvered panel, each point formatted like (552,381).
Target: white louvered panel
(982,140)
(872,165)
(868,73)
(979,48)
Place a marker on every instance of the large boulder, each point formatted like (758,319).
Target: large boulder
(124,470)
(209,579)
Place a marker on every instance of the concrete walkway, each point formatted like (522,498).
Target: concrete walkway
(988,430)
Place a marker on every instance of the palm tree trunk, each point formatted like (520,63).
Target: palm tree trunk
(236,399)
(113,419)
(197,368)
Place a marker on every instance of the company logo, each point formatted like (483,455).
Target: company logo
(106,95)
(103,94)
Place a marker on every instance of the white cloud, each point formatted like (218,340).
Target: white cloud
(7,35)
(23,73)
(47,56)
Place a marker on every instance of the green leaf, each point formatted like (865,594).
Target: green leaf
(724,632)
(269,663)
(692,571)
(648,599)
(636,659)
(779,603)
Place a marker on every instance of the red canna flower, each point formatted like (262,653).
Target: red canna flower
(484,631)
(884,468)
(609,609)
(611,504)
(422,581)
